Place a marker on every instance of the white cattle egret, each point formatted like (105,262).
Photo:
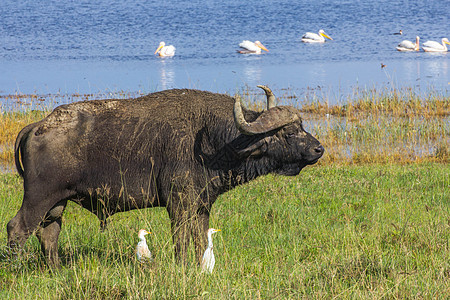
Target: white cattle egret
(164,50)
(208,260)
(142,251)
(311,37)
(408,45)
(432,46)
(249,47)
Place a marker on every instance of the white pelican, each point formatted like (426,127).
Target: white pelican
(249,47)
(208,260)
(311,37)
(142,251)
(408,45)
(164,50)
(432,46)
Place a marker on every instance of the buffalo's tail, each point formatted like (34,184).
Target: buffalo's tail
(18,147)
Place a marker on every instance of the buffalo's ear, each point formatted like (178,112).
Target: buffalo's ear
(256,149)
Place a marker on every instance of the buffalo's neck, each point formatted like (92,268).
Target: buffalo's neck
(226,166)
(248,170)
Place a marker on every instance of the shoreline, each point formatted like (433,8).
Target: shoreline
(387,126)
(286,96)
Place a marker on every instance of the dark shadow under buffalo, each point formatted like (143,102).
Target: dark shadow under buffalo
(179,149)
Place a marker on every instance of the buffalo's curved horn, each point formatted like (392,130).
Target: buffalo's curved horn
(239,119)
(277,117)
(270,96)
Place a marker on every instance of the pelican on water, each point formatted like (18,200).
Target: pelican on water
(432,46)
(248,47)
(408,45)
(164,50)
(311,37)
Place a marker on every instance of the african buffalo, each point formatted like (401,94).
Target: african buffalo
(177,148)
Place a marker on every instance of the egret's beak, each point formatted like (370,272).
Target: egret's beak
(159,48)
(218,229)
(261,46)
(325,35)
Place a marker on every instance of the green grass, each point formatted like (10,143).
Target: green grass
(379,231)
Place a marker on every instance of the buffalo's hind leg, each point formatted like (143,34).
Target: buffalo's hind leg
(48,233)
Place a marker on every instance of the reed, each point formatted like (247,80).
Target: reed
(374,125)
(19,110)
(370,126)
(10,125)
(382,127)
(392,102)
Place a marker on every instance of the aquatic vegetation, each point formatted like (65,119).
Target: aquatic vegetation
(377,126)
(10,125)
(369,126)
(383,127)
(19,110)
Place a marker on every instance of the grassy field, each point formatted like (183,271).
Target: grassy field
(378,231)
(371,220)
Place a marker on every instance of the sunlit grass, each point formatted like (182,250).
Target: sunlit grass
(397,103)
(388,127)
(379,231)
(17,111)
(10,125)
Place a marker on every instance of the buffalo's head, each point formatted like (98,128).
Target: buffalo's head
(281,140)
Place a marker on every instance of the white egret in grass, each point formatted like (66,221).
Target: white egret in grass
(208,260)
(164,50)
(142,251)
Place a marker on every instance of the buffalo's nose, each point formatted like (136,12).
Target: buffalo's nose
(319,149)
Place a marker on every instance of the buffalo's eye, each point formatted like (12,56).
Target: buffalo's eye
(290,135)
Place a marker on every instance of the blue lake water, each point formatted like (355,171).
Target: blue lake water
(68,47)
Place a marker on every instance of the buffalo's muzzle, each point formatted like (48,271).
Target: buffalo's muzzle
(319,150)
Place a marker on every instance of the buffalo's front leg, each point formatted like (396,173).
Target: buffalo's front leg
(18,231)
(200,225)
(48,237)
(48,233)
(180,233)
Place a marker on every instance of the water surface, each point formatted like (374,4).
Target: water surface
(97,46)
